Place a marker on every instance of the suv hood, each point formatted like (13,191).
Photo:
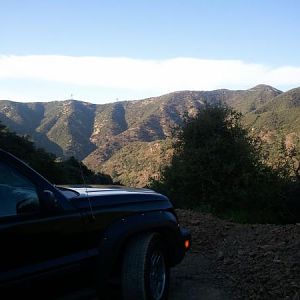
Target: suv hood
(101,190)
(115,196)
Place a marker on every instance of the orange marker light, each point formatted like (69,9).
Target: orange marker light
(187,244)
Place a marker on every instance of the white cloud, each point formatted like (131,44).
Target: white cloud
(154,76)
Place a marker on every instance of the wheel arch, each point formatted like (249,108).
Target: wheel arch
(118,235)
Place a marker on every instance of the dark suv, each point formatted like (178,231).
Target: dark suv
(54,238)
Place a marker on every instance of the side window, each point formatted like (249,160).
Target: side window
(18,195)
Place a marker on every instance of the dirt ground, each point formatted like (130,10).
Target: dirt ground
(238,261)
(193,279)
(197,279)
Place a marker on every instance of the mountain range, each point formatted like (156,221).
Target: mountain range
(131,140)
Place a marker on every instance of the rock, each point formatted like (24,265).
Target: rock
(220,255)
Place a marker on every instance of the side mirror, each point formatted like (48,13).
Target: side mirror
(49,201)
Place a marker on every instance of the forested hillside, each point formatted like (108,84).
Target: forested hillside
(69,171)
(107,136)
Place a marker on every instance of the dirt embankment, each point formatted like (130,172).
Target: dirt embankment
(246,261)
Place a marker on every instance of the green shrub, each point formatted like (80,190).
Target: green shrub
(217,165)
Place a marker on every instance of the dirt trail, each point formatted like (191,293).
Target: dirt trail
(196,278)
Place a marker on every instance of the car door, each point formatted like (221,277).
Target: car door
(36,245)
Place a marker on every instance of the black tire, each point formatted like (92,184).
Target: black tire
(145,273)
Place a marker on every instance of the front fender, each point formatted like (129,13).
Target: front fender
(116,237)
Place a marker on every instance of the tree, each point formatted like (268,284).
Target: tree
(217,166)
(70,171)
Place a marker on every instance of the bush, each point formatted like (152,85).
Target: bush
(217,167)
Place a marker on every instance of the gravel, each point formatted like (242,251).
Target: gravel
(259,261)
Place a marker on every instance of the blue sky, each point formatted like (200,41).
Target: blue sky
(101,51)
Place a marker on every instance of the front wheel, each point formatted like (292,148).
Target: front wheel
(145,273)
